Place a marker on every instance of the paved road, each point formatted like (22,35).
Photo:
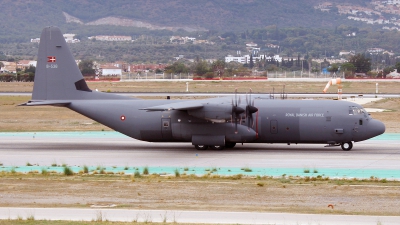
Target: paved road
(129,215)
(114,149)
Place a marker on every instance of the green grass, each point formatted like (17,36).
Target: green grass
(246,169)
(102,170)
(177,173)
(68,171)
(146,171)
(137,174)
(44,171)
(85,169)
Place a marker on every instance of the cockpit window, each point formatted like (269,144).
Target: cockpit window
(354,110)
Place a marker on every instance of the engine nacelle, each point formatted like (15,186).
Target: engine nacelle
(218,113)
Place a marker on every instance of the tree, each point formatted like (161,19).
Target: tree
(218,67)
(361,63)
(1,65)
(30,69)
(201,68)
(333,68)
(87,68)
(387,70)
(397,67)
(348,69)
(251,63)
(176,68)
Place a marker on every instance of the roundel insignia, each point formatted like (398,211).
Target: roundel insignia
(123,117)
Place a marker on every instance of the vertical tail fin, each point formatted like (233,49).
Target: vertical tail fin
(57,75)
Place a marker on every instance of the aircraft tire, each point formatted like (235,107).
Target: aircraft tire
(201,147)
(230,144)
(347,146)
(216,147)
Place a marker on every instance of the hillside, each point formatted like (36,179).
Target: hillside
(22,19)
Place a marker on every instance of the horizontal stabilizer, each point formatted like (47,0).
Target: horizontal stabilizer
(176,106)
(50,102)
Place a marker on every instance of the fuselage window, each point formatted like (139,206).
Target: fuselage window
(360,122)
(166,124)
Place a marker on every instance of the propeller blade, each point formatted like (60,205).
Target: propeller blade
(250,109)
(236,97)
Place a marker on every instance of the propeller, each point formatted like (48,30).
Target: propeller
(236,110)
(250,109)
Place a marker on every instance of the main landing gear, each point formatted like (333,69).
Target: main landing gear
(215,147)
(347,146)
(205,147)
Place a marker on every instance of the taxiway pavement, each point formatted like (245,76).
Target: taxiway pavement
(115,149)
(130,215)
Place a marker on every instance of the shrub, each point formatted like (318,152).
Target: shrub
(246,169)
(137,174)
(146,171)
(177,174)
(85,169)
(44,171)
(68,171)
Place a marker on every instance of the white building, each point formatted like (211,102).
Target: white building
(111,38)
(246,59)
(69,38)
(110,70)
(393,74)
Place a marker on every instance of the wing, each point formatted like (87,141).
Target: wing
(187,105)
(46,102)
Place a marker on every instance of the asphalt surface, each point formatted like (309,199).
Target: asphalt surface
(191,216)
(113,149)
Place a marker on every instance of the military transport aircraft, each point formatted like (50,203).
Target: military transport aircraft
(216,122)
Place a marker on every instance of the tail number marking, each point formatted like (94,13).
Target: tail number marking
(51,66)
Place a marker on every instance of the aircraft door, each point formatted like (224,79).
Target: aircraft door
(274,127)
(166,128)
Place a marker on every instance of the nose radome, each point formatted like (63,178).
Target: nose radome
(376,128)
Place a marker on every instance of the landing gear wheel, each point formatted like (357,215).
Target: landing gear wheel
(347,146)
(201,147)
(230,144)
(217,147)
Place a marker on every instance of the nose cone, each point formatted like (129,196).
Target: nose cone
(375,128)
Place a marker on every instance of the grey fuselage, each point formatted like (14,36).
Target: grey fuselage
(277,121)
